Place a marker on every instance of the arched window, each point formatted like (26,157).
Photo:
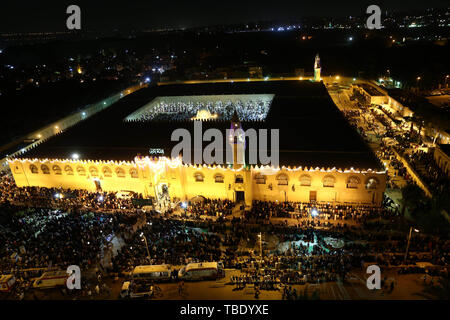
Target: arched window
(329,181)
(68,169)
(260,178)
(33,168)
(93,171)
(372,183)
(134,173)
(120,173)
(198,176)
(218,178)
(282,179)
(56,169)
(239,179)
(45,169)
(305,180)
(81,171)
(353,182)
(107,172)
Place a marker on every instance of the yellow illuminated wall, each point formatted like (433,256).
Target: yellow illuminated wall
(184,182)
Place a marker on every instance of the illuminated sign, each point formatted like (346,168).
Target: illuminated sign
(156,151)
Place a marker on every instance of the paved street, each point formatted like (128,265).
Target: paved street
(406,287)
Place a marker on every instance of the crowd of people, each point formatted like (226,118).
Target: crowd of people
(64,199)
(42,230)
(425,165)
(249,110)
(264,210)
(210,207)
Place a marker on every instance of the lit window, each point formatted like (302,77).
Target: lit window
(282,180)
(120,173)
(134,173)
(198,176)
(81,171)
(305,180)
(56,169)
(329,181)
(107,172)
(260,179)
(218,178)
(353,182)
(33,169)
(372,183)
(45,169)
(93,171)
(68,169)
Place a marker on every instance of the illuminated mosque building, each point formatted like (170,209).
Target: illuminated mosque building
(128,146)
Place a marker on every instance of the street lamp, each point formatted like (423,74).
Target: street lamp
(260,245)
(146,245)
(407,245)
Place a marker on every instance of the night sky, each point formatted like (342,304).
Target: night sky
(101,15)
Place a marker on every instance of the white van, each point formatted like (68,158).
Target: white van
(51,279)
(124,194)
(135,290)
(7,282)
(201,271)
(161,272)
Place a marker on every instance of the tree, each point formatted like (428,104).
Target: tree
(426,213)
(413,200)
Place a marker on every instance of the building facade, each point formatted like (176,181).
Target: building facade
(163,177)
(442,157)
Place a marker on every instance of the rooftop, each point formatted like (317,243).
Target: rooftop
(374,92)
(313,131)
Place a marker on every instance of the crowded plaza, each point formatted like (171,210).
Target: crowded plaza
(273,248)
(247,110)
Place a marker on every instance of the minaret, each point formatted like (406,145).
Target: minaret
(237,141)
(317,68)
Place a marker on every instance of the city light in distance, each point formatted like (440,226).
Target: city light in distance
(75,156)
